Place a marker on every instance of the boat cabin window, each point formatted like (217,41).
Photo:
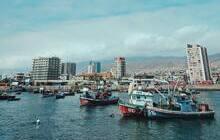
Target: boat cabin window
(139,97)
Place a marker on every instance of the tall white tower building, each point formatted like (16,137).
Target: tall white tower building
(94,67)
(198,63)
(119,68)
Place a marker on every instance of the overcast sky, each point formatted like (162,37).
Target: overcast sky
(81,30)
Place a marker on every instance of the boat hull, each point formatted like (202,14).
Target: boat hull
(14,99)
(60,96)
(130,111)
(94,102)
(153,113)
(47,95)
(6,97)
(70,94)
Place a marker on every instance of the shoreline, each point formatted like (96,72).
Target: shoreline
(215,87)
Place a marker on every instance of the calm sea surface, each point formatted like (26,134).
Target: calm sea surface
(64,119)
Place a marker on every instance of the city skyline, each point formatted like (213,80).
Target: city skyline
(129,29)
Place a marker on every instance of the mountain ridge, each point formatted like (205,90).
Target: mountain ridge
(136,64)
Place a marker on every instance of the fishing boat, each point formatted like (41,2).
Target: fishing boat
(69,93)
(18,93)
(45,95)
(4,96)
(183,107)
(60,95)
(97,98)
(136,104)
(14,99)
(141,92)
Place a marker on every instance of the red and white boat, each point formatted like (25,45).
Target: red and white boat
(136,104)
(140,97)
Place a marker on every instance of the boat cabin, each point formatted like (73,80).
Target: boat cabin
(141,98)
(185,104)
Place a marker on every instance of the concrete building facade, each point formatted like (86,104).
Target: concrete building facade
(20,77)
(46,68)
(94,67)
(119,69)
(68,69)
(198,63)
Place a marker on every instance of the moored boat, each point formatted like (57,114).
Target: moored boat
(93,99)
(60,96)
(14,99)
(136,104)
(18,93)
(183,107)
(154,112)
(69,93)
(141,93)
(4,96)
(45,95)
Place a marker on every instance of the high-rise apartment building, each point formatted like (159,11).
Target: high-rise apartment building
(68,69)
(198,63)
(94,67)
(119,69)
(46,68)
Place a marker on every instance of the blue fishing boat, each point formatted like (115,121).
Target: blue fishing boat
(183,107)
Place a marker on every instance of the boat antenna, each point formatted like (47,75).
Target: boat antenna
(176,85)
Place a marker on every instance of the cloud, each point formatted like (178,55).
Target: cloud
(105,33)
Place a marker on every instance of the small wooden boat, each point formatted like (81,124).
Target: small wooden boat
(60,96)
(69,93)
(36,91)
(6,97)
(18,93)
(14,99)
(47,95)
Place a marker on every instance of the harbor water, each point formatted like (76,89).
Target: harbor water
(64,119)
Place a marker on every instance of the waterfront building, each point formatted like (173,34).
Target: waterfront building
(68,70)
(94,67)
(198,64)
(96,76)
(19,77)
(46,68)
(119,69)
(106,75)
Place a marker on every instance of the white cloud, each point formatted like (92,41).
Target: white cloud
(160,32)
